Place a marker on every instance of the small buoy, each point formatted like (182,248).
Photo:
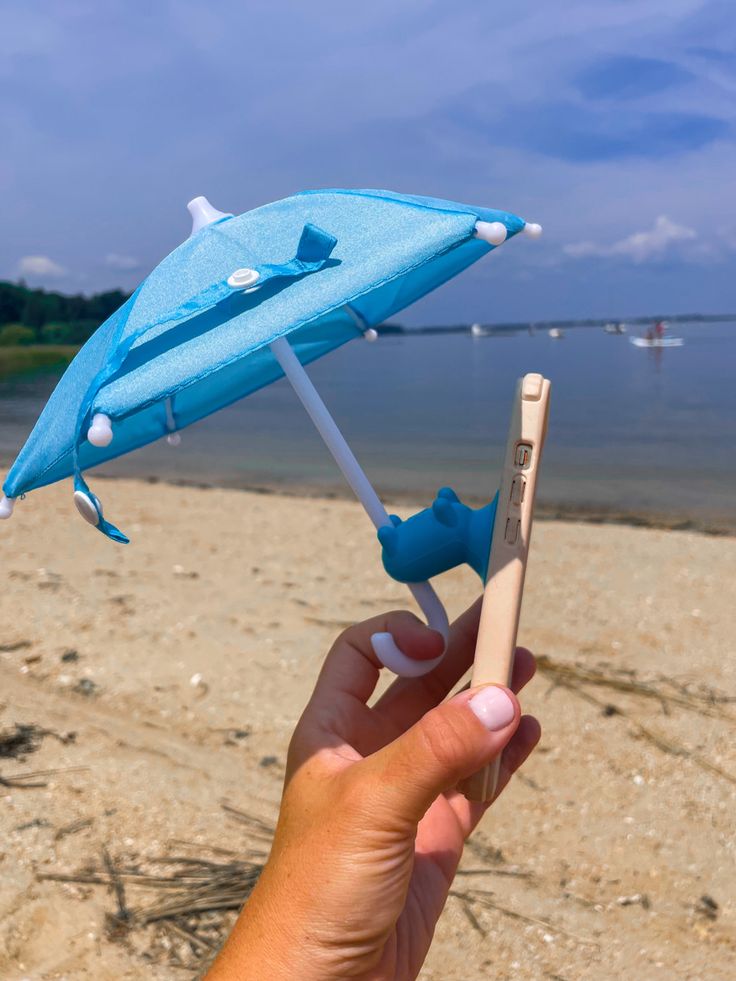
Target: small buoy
(6,507)
(86,507)
(100,432)
(493,232)
(371,335)
(532,229)
(173,439)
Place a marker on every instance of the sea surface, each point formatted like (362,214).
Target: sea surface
(632,431)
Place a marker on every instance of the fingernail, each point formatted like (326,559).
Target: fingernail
(493,707)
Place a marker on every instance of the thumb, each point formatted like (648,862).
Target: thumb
(448,744)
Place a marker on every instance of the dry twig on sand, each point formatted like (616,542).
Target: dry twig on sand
(185,904)
(704,700)
(472,899)
(73,828)
(668,692)
(25,781)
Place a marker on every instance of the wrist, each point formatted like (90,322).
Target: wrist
(269,941)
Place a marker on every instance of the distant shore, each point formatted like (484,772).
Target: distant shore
(648,453)
(20,359)
(545,511)
(500,328)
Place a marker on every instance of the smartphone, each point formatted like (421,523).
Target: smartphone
(499,619)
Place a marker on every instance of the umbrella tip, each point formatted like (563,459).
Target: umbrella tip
(203,213)
(100,432)
(532,229)
(492,232)
(6,507)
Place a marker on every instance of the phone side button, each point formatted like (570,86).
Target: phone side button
(512,531)
(518,486)
(523,455)
(531,387)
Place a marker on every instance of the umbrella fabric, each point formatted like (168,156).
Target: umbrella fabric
(330,264)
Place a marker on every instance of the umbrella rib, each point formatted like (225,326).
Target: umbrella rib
(330,432)
(351,469)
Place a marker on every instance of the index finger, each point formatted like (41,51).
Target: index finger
(352,668)
(417,695)
(407,699)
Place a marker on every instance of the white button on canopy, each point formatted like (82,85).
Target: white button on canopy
(242,278)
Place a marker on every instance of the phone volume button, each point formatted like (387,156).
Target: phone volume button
(518,486)
(512,531)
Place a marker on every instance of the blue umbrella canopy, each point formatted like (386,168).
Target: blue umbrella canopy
(330,264)
(208,326)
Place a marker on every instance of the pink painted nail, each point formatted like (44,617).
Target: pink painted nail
(493,707)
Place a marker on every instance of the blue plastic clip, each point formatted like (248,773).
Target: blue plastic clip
(439,538)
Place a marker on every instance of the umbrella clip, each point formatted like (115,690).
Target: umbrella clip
(437,539)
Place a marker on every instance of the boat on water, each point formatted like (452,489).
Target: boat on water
(656,337)
(495,330)
(657,341)
(556,333)
(618,328)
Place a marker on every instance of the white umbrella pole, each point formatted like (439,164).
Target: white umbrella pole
(383,644)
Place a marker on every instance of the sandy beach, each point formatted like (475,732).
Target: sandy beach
(168,675)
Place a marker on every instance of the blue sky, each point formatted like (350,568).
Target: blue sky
(610,122)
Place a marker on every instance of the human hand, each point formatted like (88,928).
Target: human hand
(371,829)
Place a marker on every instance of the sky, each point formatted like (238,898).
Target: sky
(612,123)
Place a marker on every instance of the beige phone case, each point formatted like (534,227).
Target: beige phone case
(499,618)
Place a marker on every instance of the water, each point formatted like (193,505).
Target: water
(632,430)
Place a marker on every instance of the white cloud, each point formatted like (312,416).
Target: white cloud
(40,266)
(122,263)
(641,246)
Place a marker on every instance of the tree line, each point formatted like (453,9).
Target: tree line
(36,316)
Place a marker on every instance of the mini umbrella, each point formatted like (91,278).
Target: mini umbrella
(243,301)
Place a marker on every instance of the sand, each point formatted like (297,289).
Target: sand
(181,663)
